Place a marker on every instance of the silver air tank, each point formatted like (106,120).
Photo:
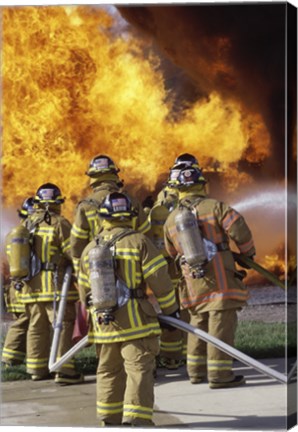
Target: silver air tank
(19,259)
(191,241)
(102,278)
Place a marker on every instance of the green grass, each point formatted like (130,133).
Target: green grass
(258,340)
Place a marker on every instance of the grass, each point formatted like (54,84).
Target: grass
(257,340)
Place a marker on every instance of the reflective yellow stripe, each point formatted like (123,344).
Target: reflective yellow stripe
(79,233)
(11,354)
(168,300)
(219,365)
(44,297)
(76,264)
(192,359)
(124,335)
(109,408)
(128,254)
(137,411)
(37,363)
(153,266)
(171,346)
(144,227)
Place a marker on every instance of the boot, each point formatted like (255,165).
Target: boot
(63,379)
(237,381)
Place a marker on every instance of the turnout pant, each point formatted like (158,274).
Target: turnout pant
(14,349)
(39,337)
(125,381)
(205,359)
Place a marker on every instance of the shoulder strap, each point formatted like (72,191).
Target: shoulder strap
(91,201)
(114,239)
(191,204)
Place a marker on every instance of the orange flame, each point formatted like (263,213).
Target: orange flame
(277,264)
(72,88)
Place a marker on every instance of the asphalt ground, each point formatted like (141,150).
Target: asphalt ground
(263,404)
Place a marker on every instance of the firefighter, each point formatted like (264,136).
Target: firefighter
(104,179)
(213,292)
(125,324)
(50,233)
(172,343)
(14,349)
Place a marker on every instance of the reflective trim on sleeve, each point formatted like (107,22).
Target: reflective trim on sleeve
(168,300)
(144,227)
(79,233)
(245,247)
(153,266)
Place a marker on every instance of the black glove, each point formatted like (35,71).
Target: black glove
(168,327)
(239,260)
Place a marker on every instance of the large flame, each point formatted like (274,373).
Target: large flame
(73,88)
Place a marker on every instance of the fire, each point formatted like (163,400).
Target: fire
(74,88)
(277,264)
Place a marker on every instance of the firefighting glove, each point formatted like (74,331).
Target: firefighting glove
(168,327)
(241,261)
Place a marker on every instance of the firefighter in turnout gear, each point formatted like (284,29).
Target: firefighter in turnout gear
(124,322)
(171,342)
(198,231)
(50,244)
(14,349)
(104,179)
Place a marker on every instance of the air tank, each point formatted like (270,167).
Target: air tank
(190,239)
(102,278)
(19,258)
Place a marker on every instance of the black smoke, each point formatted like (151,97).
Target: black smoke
(247,45)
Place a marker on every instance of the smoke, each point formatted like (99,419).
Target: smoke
(235,49)
(9,219)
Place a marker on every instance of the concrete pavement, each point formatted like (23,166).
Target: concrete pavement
(262,404)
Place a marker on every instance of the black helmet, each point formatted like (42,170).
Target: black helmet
(187,159)
(101,164)
(48,193)
(173,176)
(116,205)
(27,208)
(190,176)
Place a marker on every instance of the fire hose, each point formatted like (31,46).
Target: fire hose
(181,325)
(59,320)
(248,262)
